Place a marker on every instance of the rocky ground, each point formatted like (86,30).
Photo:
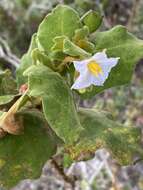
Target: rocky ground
(99,173)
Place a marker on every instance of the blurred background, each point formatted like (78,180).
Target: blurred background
(19,19)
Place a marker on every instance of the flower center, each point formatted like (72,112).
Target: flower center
(94,68)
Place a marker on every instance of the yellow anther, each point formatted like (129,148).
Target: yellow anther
(94,68)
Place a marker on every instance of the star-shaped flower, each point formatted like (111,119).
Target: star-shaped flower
(93,71)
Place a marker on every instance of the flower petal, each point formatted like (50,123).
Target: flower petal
(86,78)
(83,81)
(81,66)
(99,56)
(108,64)
(98,81)
(102,59)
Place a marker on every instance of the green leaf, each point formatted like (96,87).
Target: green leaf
(71,49)
(119,43)
(26,61)
(63,44)
(92,19)
(57,53)
(57,56)
(81,33)
(62,21)
(23,156)
(7,83)
(58,43)
(7,101)
(57,100)
(86,45)
(81,39)
(41,57)
(102,132)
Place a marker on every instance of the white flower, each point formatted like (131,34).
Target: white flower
(93,71)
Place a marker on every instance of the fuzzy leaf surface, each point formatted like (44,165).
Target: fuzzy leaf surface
(23,156)
(26,61)
(63,20)
(102,132)
(92,19)
(57,100)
